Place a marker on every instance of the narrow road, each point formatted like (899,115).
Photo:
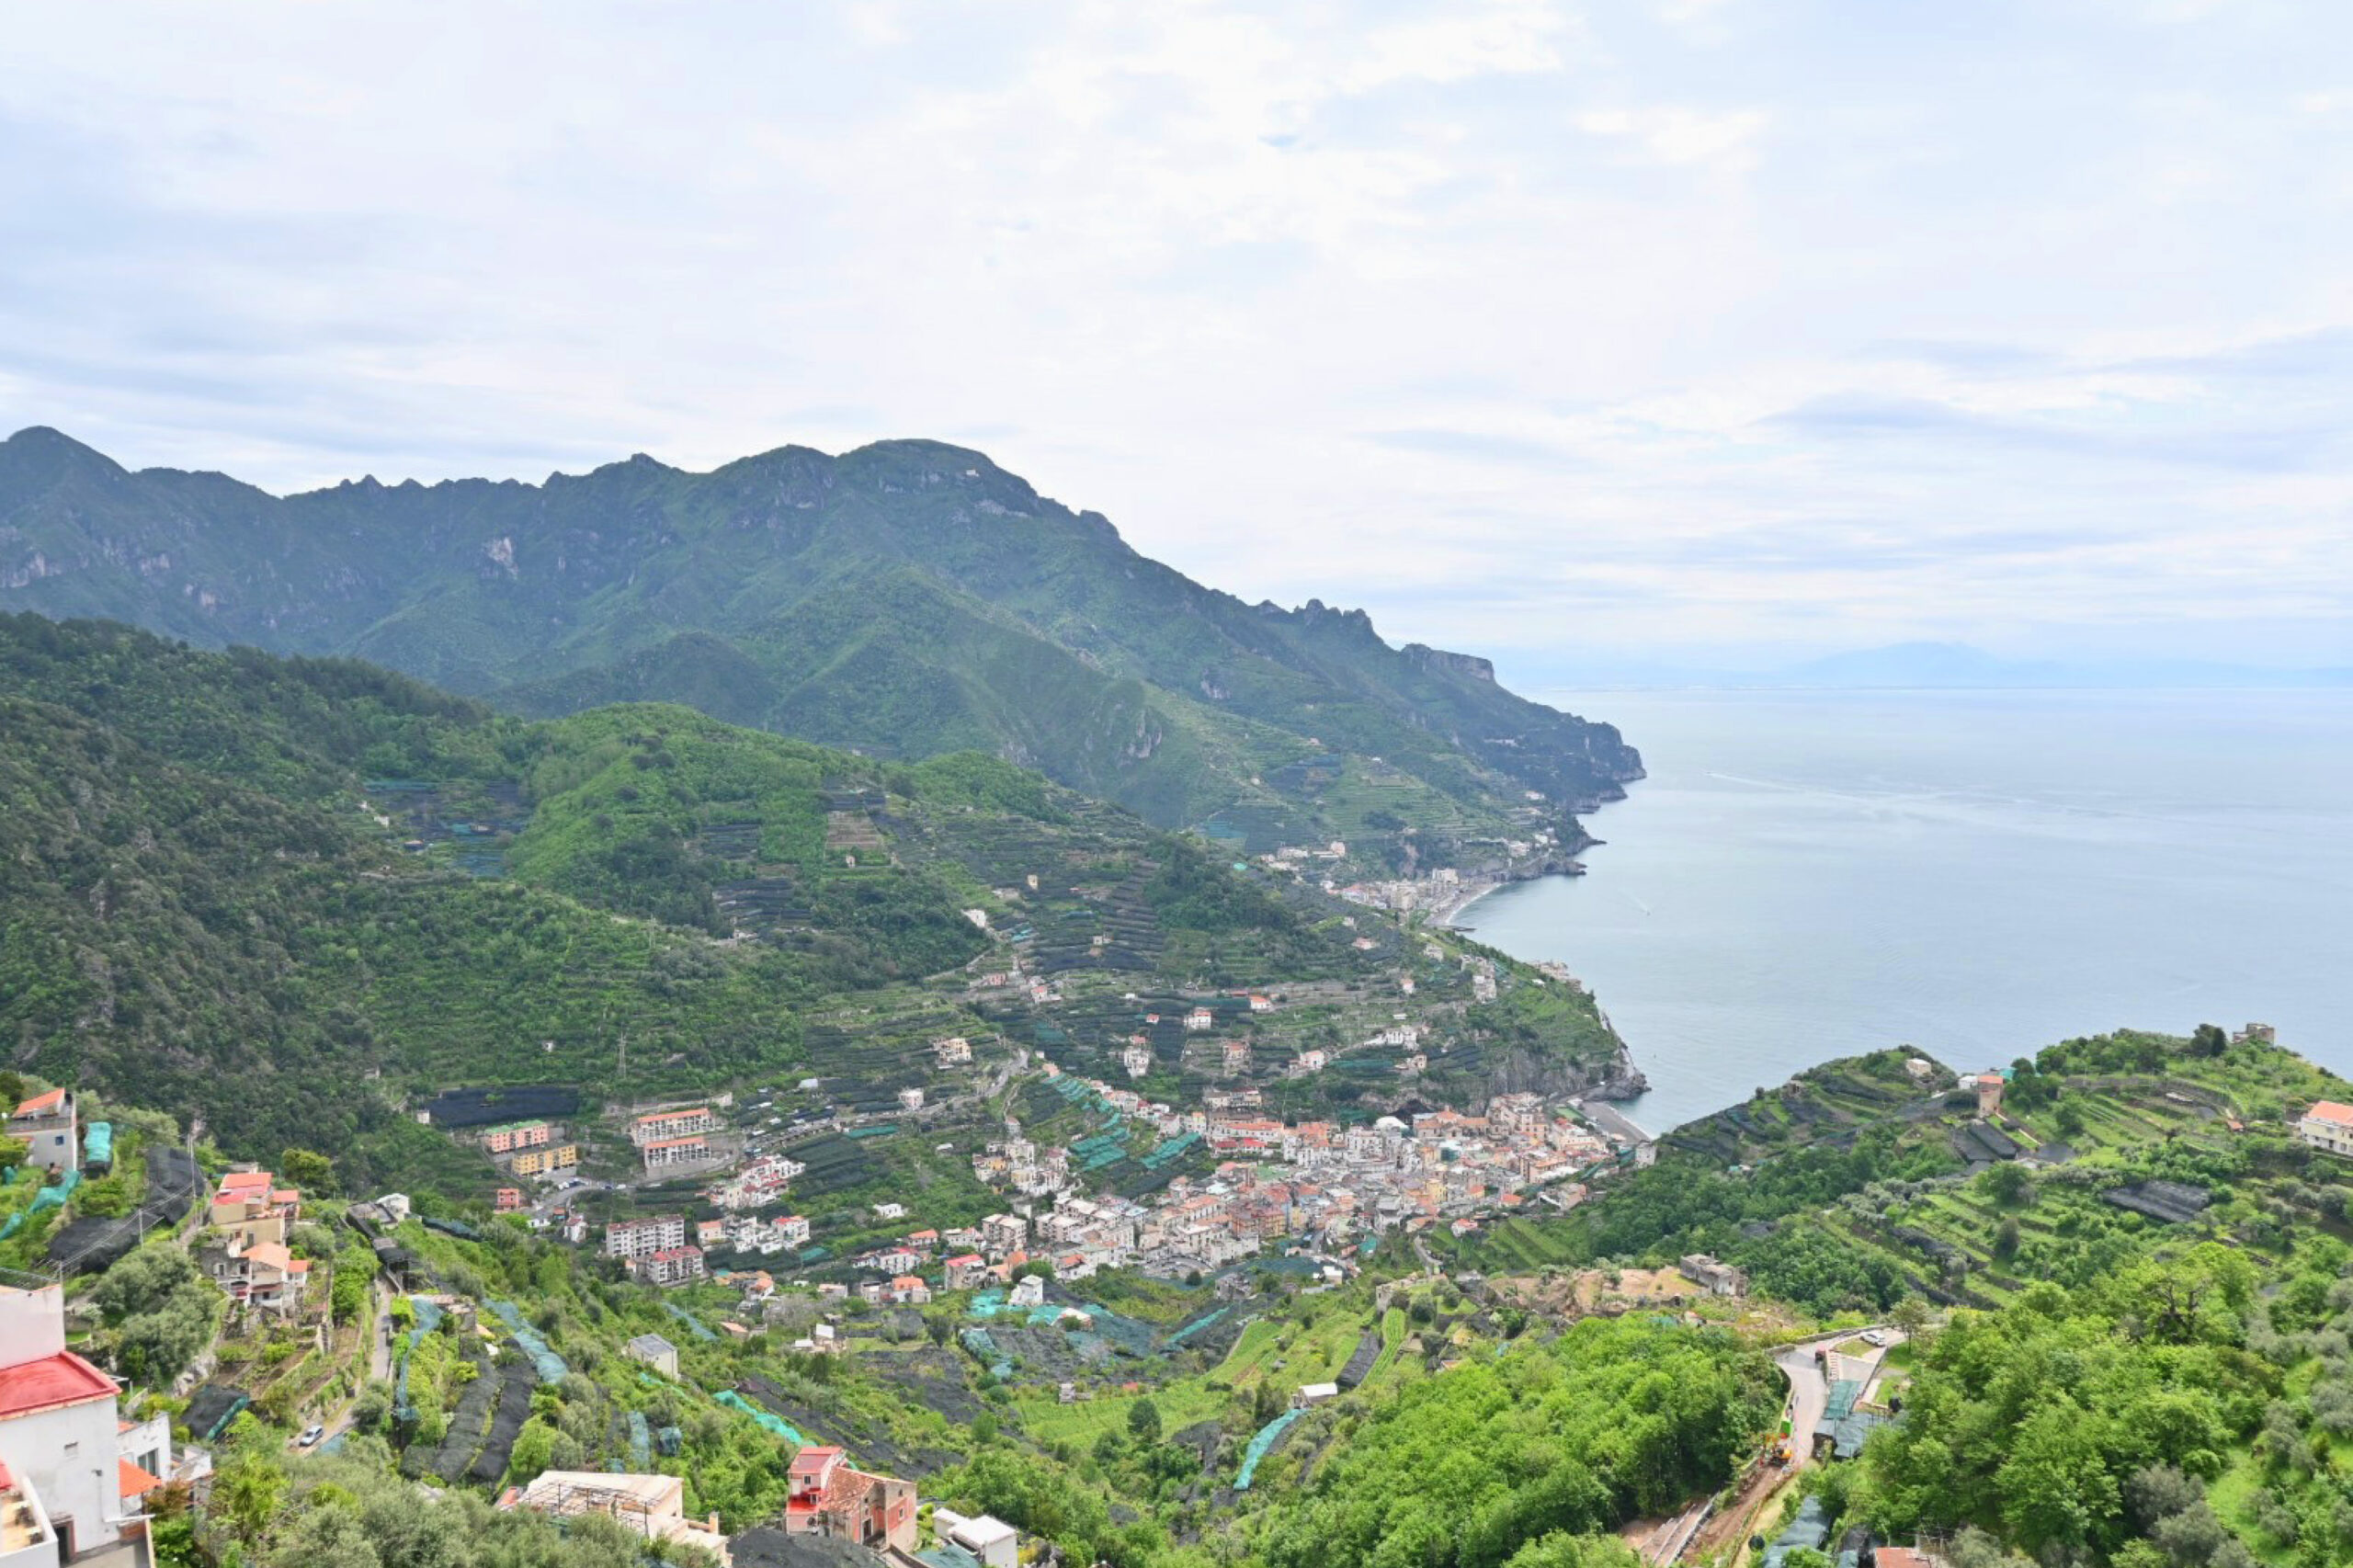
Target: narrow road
(1810,1388)
(380,1365)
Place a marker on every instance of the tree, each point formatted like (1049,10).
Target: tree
(2009,1184)
(1911,1315)
(1144,1421)
(307,1170)
(2056,1489)
(2005,1239)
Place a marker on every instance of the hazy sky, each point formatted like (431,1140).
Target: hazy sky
(1694,328)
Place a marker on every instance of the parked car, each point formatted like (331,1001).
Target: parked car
(312,1434)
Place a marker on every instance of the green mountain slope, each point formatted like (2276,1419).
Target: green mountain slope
(284,893)
(908,598)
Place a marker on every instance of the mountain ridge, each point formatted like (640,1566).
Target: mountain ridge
(905,598)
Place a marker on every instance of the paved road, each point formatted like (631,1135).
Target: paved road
(1809,1389)
(380,1365)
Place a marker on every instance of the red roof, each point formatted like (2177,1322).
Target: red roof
(2330,1110)
(51,1382)
(39,1104)
(814,1459)
(240,1181)
(132,1481)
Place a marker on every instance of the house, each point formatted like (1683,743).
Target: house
(656,1352)
(830,1497)
(1003,1233)
(1236,1057)
(1262,1004)
(663,1151)
(507,1200)
(1314,1393)
(548,1160)
(909,1290)
(993,1542)
(71,1475)
(967,1271)
(953,1052)
(1028,1292)
(509,1137)
(643,1238)
(26,1539)
(659,1126)
(1989,1093)
(249,1205)
(267,1275)
(1137,1060)
(652,1506)
(711,1233)
(1717,1278)
(1201,1018)
(909,1099)
(46,1124)
(2327,1127)
(793,1230)
(671,1267)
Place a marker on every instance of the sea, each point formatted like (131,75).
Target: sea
(1969,874)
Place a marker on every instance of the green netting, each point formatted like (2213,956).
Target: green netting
(551,1365)
(641,1440)
(429,1318)
(1843,1394)
(767,1419)
(1124,1332)
(1171,1149)
(694,1324)
(54,1197)
(1195,1326)
(98,1144)
(1268,1435)
(882,1131)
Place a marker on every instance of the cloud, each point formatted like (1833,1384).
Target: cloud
(1676,135)
(1517,322)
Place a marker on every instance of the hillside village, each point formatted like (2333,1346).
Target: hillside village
(1064,1308)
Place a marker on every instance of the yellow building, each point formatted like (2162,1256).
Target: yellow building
(546,1162)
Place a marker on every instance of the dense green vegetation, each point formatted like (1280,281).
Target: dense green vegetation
(1495,1461)
(203,909)
(908,598)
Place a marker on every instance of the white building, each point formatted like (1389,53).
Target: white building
(994,1542)
(62,1439)
(656,1352)
(26,1539)
(643,1238)
(46,1124)
(2328,1127)
(653,1507)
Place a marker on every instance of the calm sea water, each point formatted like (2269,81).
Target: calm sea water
(1974,874)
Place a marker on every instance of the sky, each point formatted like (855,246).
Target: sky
(1711,331)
